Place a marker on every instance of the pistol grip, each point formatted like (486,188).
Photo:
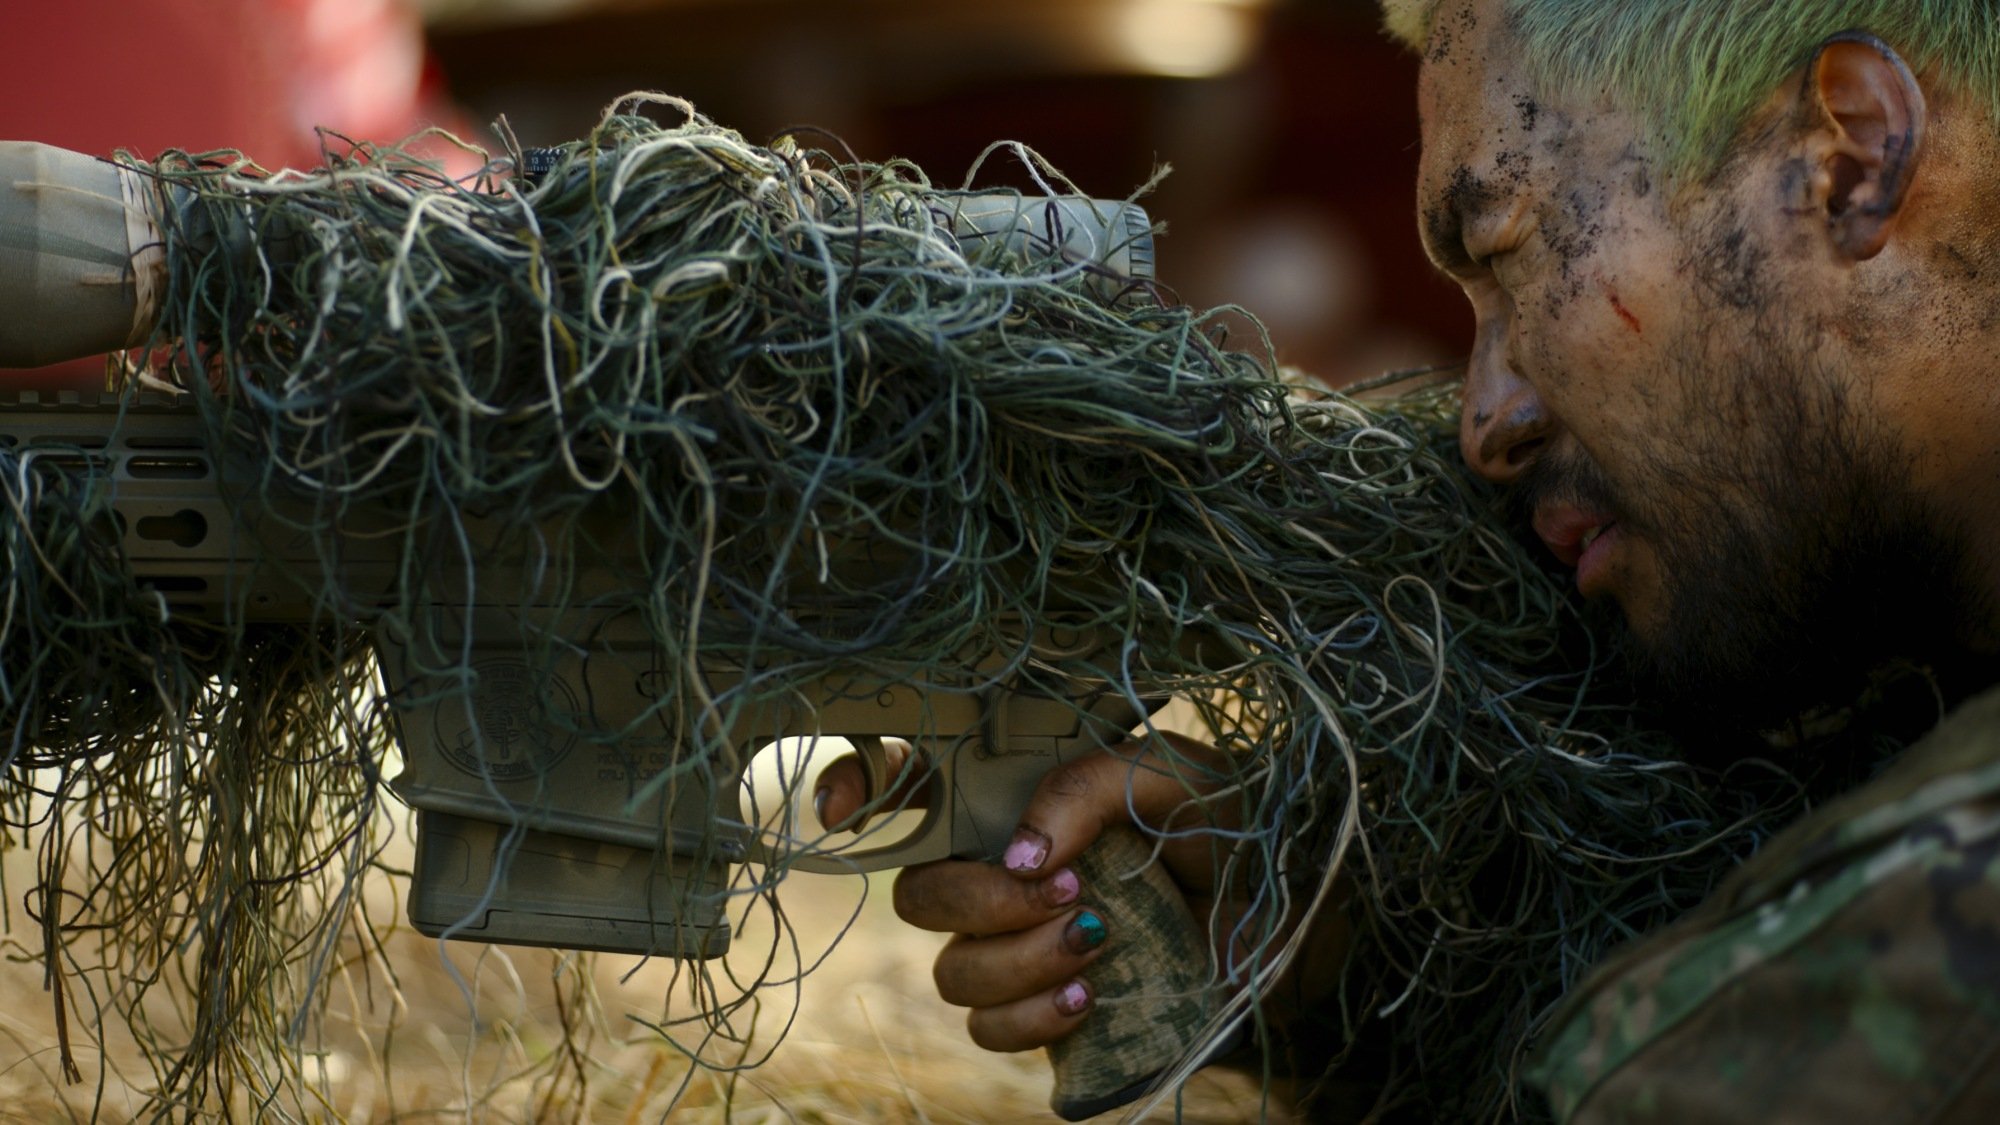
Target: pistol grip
(1152,984)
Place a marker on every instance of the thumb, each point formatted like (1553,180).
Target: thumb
(1147,784)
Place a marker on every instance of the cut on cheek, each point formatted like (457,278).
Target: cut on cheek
(1625,314)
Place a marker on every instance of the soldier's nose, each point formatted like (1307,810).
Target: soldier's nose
(1503,423)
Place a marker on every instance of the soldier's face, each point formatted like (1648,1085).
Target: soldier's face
(1648,376)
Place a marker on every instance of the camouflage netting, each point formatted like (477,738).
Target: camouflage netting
(826,433)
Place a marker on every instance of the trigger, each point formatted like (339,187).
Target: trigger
(888,766)
(875,769)
(875,775)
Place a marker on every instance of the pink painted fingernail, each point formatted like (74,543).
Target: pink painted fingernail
(1064,886)
(1029,850)
(1072,998)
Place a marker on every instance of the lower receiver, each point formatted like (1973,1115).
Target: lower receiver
(568,795)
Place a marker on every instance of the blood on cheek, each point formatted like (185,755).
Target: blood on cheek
(1623,311)
(1624,314)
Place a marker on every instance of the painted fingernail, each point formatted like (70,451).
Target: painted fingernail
(1063,887)
(1084,933)
(1072,998)
(1029,850)
(819,804)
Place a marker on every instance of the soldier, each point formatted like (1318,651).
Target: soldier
(1736,271)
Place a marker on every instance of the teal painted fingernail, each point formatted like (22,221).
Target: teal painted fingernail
(1085,932)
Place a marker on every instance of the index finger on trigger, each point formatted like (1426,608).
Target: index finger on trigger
(968,897)
(843,791)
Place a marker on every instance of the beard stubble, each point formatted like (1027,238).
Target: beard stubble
(1796,558)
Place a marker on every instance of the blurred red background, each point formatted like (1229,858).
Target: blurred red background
(1290,126)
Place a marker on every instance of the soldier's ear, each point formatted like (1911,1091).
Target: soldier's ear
(1861,123)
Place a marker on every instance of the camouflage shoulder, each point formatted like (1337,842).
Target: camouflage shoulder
(1958,762)
(1851,968)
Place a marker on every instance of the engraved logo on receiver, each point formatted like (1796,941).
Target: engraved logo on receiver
(526,723)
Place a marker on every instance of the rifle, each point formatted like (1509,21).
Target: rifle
(566,771)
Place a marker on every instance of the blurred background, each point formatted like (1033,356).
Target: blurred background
(1290,126)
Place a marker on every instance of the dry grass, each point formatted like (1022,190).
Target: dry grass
(871,1042)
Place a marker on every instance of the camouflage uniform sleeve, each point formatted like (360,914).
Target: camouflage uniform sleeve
(1850,972)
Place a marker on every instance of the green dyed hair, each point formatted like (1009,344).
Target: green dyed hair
(1699,69)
